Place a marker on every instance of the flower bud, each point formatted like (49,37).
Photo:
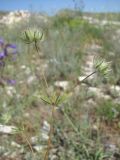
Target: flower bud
(32,35)
(102,67)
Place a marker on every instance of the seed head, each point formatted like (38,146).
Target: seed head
(32,35)
(102,67)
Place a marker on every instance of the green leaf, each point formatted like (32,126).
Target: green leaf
(46,99)
(61,99)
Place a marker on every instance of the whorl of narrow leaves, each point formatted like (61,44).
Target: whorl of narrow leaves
(32,35)
(54,99)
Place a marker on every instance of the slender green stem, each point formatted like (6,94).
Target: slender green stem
(29,144)
(37,48)
(38,51)
(50,134)
(49,143)
(74,127)
(71,123)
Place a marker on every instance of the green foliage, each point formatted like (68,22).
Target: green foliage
(78,23)
(108,110)
(62,48)
(54,99)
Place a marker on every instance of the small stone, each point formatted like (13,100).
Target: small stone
(97,92)
(45,131)
(23,67)
(34,140)
(111,148)
(91,102)
(45,136)
(64,85)
(39,148)
(81,78)
(26,114)
(7,129)
(115,90)
(96,47)
(93,91)
(10,90)
(54,157)
(14,144)
(46,126)
(27,71)
(54,151)
(31,79)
